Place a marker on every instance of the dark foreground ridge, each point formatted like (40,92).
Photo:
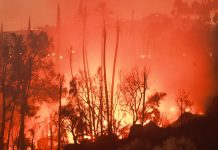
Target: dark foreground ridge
(189,132)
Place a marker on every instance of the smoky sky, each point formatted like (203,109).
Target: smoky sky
(14,13)
(170,68)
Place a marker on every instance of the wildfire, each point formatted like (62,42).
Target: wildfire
(95,66)
(172,109)
(187,109)
(147,121)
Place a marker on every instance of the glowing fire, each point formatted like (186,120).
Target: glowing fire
(172,109)
(147,121)
(170,70)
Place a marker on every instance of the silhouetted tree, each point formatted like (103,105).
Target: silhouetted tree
(30,79)
(5,46)
(132,89)
(83,14)
(114,71)
(151,108)
(75,118)
(59,115)
(132,84)
(183,101)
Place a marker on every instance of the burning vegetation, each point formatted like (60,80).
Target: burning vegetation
(46,103)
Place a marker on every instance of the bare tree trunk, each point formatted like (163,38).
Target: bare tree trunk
(101,104)
(83,13)
(91,91)
(100,111)
(88,94)
(114,70)
(59,117)
(144,91)
(105,76)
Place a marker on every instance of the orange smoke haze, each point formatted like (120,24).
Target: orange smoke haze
(170,68)
(14,14)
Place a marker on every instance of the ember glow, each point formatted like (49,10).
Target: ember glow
(106,65)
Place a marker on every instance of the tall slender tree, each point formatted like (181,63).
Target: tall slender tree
(144,93)
(59,114)
(85,63)
(104,36)
(114,70)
